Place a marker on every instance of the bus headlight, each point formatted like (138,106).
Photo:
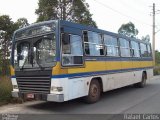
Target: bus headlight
(14,84)
(57,89)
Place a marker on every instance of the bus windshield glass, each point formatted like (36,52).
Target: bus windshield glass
(35,52)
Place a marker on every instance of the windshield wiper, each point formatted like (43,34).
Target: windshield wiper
(32,58)
(40,66)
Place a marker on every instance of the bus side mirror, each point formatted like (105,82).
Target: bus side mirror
(65,39)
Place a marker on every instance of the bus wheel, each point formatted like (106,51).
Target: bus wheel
(94,92)
(143,81)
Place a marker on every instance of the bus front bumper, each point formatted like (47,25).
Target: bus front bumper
(38,96)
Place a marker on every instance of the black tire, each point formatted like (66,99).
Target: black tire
(141,84)
(94,92)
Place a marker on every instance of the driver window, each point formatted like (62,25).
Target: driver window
(21,53)
(72,51)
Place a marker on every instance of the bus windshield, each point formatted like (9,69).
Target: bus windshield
(35,52)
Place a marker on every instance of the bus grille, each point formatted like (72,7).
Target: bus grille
(34,84)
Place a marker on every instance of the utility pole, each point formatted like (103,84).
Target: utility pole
(64,9)
(153,36)
(61,7)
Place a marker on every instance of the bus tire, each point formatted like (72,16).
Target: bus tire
(94,92)
(142,84)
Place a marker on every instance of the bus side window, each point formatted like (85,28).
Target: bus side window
(111,44)
(124,48)
(93,44)
(72,51)
(149,50)
(135,49)
(144,52)
(66,49)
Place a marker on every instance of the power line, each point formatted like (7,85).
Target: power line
(130,6)
(120,13)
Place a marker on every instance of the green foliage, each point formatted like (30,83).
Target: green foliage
(5,89)
(156,71)
(6,30)
(157,63)
(75,11)
(21,22)
(7,27)
(128,30)
(146,38)
(47,10)
(157,57)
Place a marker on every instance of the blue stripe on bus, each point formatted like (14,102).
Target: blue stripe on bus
(87,74)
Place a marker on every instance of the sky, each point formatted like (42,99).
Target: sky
(108,14)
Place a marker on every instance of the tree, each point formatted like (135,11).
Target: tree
(157,57)
(70,10)
(128,30)
(146,38)
(6,30)
(21,22)
(7,27)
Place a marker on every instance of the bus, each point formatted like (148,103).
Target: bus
(59,61)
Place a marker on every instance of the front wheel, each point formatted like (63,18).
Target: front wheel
(94,92)
(143,81)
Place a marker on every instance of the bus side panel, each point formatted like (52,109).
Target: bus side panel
(77,88)
(149,74)
(119,80)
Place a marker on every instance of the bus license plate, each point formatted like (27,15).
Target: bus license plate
(30,96)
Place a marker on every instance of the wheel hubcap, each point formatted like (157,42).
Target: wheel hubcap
(94,91)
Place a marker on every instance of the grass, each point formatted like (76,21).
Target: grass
(5,90)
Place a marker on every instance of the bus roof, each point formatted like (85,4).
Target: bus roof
(81,27)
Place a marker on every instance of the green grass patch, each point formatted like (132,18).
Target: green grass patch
(5,90)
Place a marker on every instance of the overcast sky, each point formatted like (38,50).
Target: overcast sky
(108,14)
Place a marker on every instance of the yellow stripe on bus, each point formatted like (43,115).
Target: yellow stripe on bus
(95,66)
(12,71)
(116,65)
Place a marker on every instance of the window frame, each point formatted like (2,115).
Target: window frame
(139,49)
(61,56)
(149,54)
(93,44)
(111,46)
(125,48)
(146,50)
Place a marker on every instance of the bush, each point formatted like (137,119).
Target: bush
(5,89)
(156,71)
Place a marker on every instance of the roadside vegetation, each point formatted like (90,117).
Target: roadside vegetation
(157,63)
(5,90)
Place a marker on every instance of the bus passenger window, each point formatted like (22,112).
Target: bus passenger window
(149,51)
(111,44)
(144,52)
(135,49)
(72,51)
(124,48)
(66,49)
(93,44)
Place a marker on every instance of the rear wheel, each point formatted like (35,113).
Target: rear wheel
(143,81)
(94,92)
